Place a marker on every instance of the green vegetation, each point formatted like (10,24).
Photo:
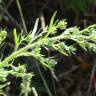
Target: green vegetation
(35,41)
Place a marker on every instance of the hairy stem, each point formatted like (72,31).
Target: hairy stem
(16,54)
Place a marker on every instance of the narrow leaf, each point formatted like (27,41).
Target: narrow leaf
(15,37)
(35,28)
(51,22)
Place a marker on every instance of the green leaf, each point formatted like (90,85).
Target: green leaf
(61,24)
(51,62)
(3,34)
(3,75)
(51,27)
(4,85)
(60,47)
(16,40)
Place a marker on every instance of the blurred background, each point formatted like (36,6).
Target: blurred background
(72,75)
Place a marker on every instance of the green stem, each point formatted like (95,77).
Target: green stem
(86,29)
(22,50)
(16,54)
(61,37)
